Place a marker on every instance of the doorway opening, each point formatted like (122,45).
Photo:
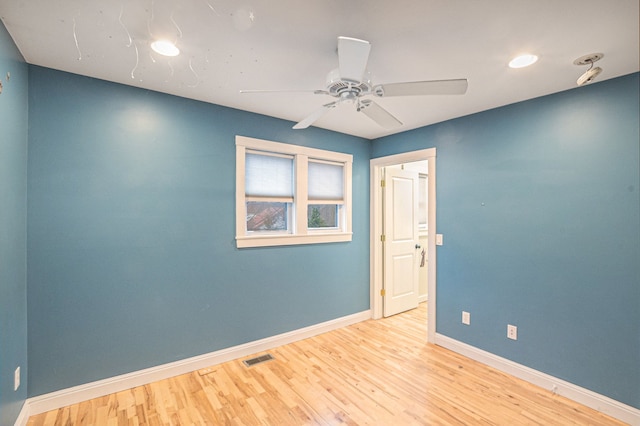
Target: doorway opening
(377,225)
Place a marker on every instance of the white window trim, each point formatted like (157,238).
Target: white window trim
(301,234)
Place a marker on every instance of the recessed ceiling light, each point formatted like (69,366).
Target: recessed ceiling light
(523,61)
(165,48)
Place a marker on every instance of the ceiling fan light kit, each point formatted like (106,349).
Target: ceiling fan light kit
(351,81)
(590,74)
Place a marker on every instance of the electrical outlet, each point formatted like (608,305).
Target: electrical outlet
(512,332)
(466,318)
(16,379)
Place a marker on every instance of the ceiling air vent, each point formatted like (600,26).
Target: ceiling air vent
(257,360)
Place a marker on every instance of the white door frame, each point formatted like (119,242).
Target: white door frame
(376,260)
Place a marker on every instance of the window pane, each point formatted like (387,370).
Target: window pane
(322,216)
(326,181)
(263,216)
(268,176)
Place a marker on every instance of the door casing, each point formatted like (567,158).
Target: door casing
(376,212)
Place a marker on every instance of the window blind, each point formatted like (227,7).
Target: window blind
(268,175)
(326,181)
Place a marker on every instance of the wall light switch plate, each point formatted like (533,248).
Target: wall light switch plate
(439,240)
(16,379)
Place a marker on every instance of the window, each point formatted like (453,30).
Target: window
(268,191)
(288,194)
(325,194)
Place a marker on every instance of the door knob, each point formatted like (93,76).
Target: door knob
(417,246)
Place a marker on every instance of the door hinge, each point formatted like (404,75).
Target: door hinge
(383,183)
(383,238)
(382,292)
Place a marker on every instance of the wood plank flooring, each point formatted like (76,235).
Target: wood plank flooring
(372,373)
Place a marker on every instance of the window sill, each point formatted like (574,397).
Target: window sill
(290,240)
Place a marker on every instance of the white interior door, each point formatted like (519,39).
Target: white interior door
(401,246)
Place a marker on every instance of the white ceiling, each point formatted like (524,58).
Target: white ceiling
(229,45)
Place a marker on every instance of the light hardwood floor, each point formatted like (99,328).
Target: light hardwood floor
(372,373)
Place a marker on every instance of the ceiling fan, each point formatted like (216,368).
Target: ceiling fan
(351,82)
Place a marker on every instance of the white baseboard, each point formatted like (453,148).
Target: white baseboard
(76,394)
(23,416)
(576,393)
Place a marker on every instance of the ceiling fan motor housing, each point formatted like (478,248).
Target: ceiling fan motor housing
(338,87)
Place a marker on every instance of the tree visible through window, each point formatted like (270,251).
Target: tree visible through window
(323,216)
(315,219)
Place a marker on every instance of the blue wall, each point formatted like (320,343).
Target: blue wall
(13,227)
(131,249)
(538,203)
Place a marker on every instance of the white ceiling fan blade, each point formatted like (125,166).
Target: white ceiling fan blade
(317,92)
(315,116)
(421,88)
(379,114)
(353,55)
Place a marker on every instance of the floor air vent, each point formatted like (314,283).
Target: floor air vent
(257,360)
